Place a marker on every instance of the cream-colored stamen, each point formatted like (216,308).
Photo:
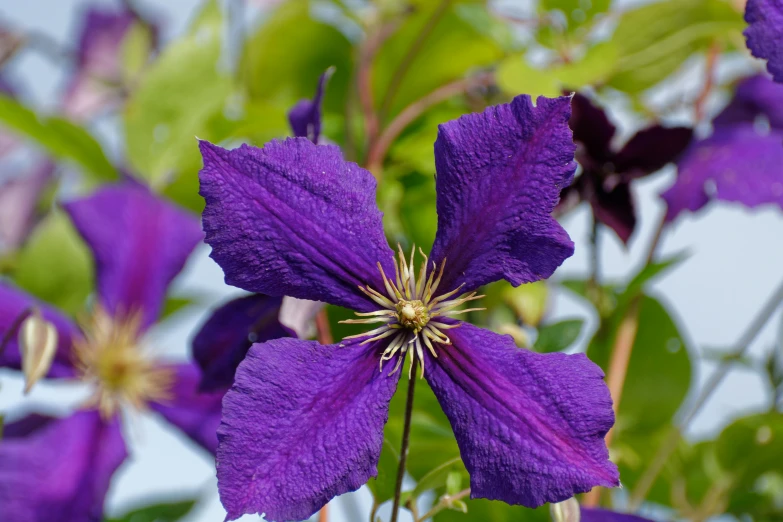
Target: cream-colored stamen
(408,309)
(109,357)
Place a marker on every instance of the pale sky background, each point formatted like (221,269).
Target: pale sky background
(734,266)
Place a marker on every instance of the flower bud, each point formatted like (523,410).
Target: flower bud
(37,344)
(566,511)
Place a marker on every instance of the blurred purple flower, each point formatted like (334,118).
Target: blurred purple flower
(303,422)
(305,116)
(741,161)
(19,199)
(8,140)
(764,34)
(58,470)
(224,339)
(97,79)
(605,181)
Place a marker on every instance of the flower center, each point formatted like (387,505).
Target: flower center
(109,357)
(412,314)
(410,310)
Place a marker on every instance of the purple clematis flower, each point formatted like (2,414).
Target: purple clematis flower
(97,80)
(303,422)
(58,470)
(224,339)
(19,199)
(764,34)
(605,181)
(740,161)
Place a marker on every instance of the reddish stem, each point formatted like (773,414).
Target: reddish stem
(408,115)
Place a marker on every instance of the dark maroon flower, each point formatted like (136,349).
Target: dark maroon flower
(303,422)
(59,469)
(605,181)
(741,161)
(764,34)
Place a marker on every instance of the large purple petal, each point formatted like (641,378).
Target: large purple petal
(734,164)
(591,128)
(293,218)
(764,34)
(14,303)
(604,515)
(19,203)
(651,149)
(140,243)
(305,116)
(530,426)
(755,96)
(500,174)
(196,413)
(302,424)
(225,338)
(60,470)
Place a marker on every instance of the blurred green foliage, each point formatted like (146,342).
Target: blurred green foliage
(165,512)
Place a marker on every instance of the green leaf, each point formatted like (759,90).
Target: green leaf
(59,137)
(494,511)
(576,13)
(55,265)
(440,477)
(515,76)
(176,98)
(175,304)
(417,210)
(528,301)
(659,361)
(752,446)
(137,46)
(655,40)
(651,271)
(570,7)
(166,512)
(452,48)
(283,59)
(414,149)
(558,336)
(383,485)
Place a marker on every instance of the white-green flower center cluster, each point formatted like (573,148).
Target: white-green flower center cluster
(411,311)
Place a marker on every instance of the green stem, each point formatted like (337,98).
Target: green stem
(444,502)
(406,430)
